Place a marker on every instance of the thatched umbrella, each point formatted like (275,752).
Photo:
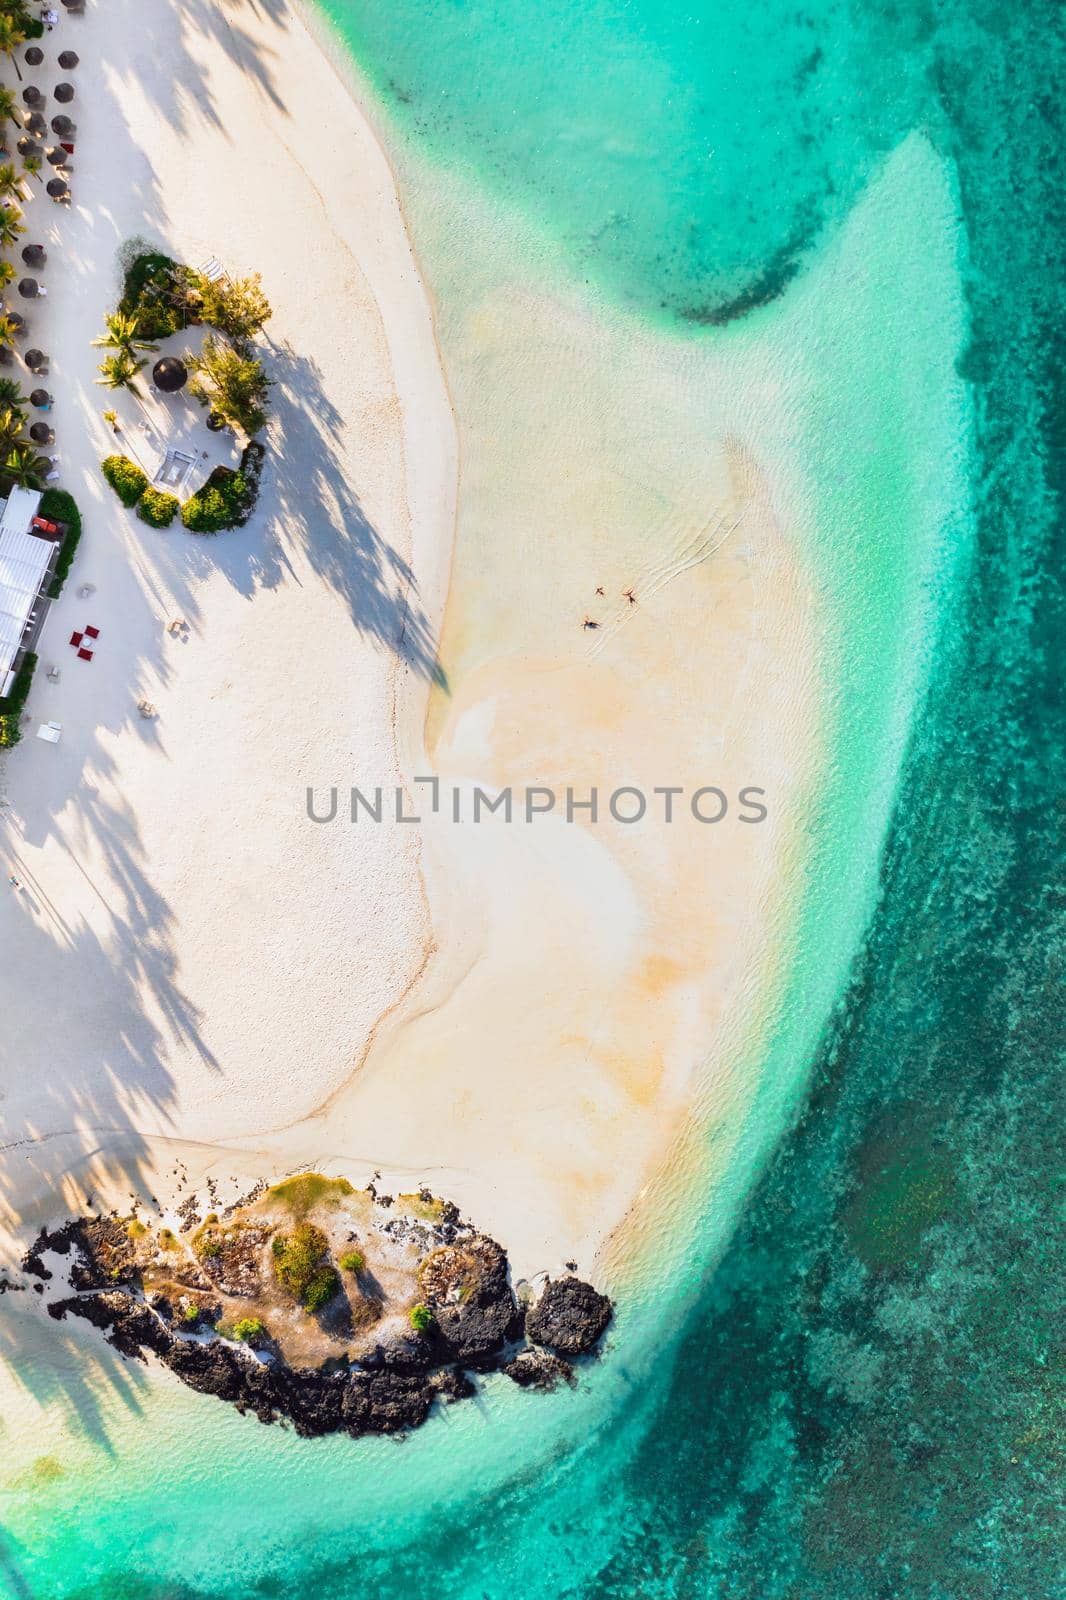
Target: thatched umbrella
(68,60)
(170,374)
(36,124)
(34,55)
(57,157)
(17,321)
(40,433)
(28,288)
(62,126)
(32,95)
(34,255)
(64,93)
(57,188)
(29,147)
(35,359)
(40,397)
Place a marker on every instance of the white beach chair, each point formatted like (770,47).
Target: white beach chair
(212,269)
(50,732)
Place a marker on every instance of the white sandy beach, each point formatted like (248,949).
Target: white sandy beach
(521,1017)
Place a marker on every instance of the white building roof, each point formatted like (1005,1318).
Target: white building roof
(23,563)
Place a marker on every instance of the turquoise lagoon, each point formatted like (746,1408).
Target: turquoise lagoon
(852,1393)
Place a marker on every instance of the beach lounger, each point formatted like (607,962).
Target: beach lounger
(50,732)
(212,269)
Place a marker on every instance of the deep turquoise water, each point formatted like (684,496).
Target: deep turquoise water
(861,1398)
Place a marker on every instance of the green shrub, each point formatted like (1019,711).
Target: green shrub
(125,477)
(323,1286)
(247,1328)
(59,506)
(420,1317)
(13,704)
(191,1314)
(224,501)
(353,1261)
(299,1265)
(157,509)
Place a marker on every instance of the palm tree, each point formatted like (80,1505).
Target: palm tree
(8,331)
(31,166)
(10,181)
(11,425)
(25,468)
(120,370)
(12,38)
(10,109)
(7,274)
(11,395)
(11,225)
(122,335)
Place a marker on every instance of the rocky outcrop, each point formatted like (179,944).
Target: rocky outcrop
(570,1317)
(469,1322)
(539,1369)
(475,1312)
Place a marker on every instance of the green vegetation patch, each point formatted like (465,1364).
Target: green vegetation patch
(163,294)
(310,1189)
(157,509)
(13,704)
(125,477)
(207,1241)
(136,1229)
(417,1206)
(59,506)
(246,1330)
(352,1261)
(301,1268)
(420,1317)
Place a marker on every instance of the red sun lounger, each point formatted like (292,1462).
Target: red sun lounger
(76,639)
(85,655)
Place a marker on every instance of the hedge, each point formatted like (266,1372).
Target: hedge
(228,498)
(12,705)
(59,506)
(157,509)
(125,477)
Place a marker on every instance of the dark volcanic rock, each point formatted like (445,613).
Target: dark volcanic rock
(130,1325)
(104,1253)
(385,1402)
(208,1368)
(453,1384)
(539,1369)
(569,1317)
(475,1329)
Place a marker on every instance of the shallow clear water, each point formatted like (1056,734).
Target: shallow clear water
(856,1398)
